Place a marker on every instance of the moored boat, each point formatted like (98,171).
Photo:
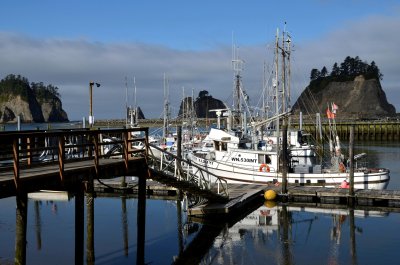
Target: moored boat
(239,157)
(237,162)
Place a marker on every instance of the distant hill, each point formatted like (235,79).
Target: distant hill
(33,102)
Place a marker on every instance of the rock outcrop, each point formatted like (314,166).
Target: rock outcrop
(202,106)
(32,102)
(31,111)
(359,98)
(52,111)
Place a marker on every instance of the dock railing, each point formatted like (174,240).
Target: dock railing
(26,149)
(183,169)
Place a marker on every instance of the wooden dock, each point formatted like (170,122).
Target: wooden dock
(241,196)
(73,157)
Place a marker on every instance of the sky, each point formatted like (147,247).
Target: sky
(129,46)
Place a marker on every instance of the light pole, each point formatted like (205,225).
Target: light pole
(91,118)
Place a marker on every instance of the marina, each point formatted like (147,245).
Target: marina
(199,133)
(224,177)
(232,211)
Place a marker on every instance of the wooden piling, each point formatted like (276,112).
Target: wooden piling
(351,155)
(20,231)
(79,224)
(284,157)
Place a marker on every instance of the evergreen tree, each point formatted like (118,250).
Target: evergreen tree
(324,72)
(335,70)
(315,74)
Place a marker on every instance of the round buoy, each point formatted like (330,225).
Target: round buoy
(270,195)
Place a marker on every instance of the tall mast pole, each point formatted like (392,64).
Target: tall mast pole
(277,84)
(283,73)
(166,109)
(136,110)
(237,68)
(126,101)
(289,51)
(134,95)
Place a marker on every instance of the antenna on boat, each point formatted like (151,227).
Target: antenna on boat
(166,108)
(237,65)
(126,100)
(135,111)
(134,92)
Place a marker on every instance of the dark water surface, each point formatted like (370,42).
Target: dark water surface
(271,234)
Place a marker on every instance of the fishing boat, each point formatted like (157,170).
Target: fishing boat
(240,157)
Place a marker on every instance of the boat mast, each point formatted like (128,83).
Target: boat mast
(276,84)
(166,109)
(135,110)
(126,101)
(237,65)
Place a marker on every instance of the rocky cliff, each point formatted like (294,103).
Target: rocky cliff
(33,102)
(358,98)
(31,111)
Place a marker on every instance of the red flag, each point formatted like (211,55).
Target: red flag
(329,114)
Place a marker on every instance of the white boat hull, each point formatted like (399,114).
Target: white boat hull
(234,173)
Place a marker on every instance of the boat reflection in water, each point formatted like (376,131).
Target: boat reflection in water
(291,234)
(96,230)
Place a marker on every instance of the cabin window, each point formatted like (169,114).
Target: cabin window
(296,181)
(321,181)
(261,159)
(224,146)
(217,145)
(308,181)
(267,159)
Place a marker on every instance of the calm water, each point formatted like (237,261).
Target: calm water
(269,234)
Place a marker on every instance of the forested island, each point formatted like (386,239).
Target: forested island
(354,86)
(32,102)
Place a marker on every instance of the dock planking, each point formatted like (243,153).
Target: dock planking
(73,157)
(243,195)
(240,195)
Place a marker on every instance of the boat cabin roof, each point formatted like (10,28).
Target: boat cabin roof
(222,136)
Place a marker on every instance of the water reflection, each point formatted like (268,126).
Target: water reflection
(290,234)
(268,233)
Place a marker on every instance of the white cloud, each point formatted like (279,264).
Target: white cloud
(71,64)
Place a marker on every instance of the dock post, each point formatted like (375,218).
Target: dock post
(79,224)
(125,226)
(284,158)
(351,174)
(179,143)
(181,244)
(178,161)
(90,258)
(20,227)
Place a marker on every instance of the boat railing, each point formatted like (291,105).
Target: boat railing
(184,169)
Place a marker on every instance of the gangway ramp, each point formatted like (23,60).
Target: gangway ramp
(169,169)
